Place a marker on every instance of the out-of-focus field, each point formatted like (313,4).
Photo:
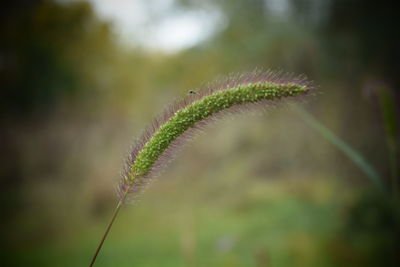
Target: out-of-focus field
(261,189)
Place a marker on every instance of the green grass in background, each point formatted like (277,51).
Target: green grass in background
(267,225)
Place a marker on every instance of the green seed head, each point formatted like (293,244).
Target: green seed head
(157,145)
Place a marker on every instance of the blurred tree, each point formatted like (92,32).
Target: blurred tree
(371,26)
(51,53)
(362,46)
(45,53)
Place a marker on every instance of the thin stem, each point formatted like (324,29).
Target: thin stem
(352,154)
(120,202)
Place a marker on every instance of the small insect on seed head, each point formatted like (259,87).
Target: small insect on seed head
(192,92)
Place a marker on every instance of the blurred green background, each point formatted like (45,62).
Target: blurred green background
(80,80)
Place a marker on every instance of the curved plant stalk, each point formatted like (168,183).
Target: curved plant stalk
(352,154)
(183,119)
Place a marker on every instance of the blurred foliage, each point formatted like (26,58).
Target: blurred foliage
(43,44)
(259,191)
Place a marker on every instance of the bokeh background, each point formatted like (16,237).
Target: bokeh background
(80,80)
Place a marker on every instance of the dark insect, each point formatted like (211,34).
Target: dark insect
(192,92)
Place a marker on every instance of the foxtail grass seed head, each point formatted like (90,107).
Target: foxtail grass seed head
(158,145)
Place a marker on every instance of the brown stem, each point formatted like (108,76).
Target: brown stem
(120,202)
